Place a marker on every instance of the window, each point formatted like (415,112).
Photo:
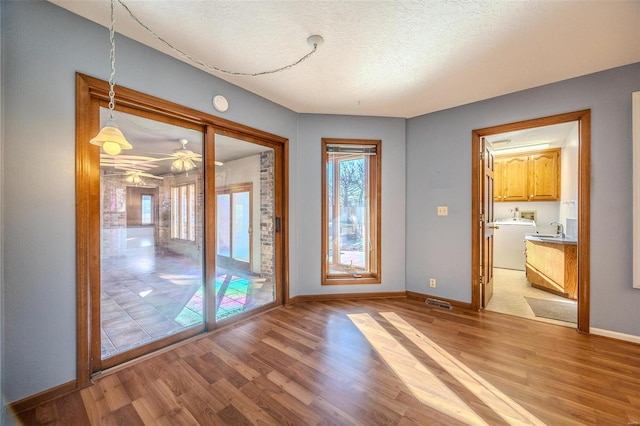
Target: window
(351,188)
(146,205)
(183,212)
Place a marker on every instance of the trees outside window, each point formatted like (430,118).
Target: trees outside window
(351,211)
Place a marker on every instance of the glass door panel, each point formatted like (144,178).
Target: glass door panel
(151,263)
(241,226)
(223,225)
(245,226)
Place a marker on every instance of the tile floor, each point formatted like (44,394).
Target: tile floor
(509,290)
(153,294)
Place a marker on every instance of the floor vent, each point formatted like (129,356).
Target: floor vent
(439,304)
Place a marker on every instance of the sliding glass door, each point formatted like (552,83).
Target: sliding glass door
(245,275)
(176,236)
(151,254)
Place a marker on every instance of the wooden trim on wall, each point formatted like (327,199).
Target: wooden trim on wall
(584,222)
(375,295)
(423,297)
(584,201)
(347,296)
(33,401)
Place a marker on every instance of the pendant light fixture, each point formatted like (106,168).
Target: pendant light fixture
(182,165)
(134,178)
(110,138)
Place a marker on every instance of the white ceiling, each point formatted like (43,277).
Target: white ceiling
(385,58)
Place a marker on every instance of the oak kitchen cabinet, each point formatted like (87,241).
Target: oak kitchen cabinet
(553,266)
(532,176)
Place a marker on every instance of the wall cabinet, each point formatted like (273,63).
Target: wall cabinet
(534,176)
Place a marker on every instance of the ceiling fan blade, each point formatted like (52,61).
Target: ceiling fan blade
(157,159)
(149,175)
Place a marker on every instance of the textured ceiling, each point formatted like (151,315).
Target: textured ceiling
(386,58)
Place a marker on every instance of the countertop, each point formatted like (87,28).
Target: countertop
(551,239)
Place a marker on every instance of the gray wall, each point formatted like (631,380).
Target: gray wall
(391,131)
(42,48)
(439,173)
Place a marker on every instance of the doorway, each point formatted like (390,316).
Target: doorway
(146,226)
(483,208)
(548,154)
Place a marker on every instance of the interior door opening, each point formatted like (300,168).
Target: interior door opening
(542,267)
(536,178)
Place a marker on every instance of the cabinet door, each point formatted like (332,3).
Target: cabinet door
(514,184)
(498,180)
(544,176)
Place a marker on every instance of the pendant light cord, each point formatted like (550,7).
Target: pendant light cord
(199,62)
(112,56)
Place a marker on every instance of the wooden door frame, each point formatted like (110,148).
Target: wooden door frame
(91,93)
(584,201)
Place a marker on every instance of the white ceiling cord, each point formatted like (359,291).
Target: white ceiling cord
(313,41)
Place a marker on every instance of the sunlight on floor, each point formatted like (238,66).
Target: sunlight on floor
(425,385)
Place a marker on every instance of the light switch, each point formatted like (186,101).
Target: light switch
(443,210)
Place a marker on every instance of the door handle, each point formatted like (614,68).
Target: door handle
(494,227)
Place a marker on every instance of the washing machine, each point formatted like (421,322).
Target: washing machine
(508,242)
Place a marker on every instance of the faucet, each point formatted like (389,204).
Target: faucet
(559,230)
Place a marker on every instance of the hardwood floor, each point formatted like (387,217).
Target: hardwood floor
(392,361)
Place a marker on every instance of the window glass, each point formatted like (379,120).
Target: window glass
(146,204)
(183,212)
(351,211)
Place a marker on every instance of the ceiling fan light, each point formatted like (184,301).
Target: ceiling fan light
(189,164)
(134,178)
(111,139)
(182,165)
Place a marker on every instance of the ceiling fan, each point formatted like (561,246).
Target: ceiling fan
(135,176)
(183,159)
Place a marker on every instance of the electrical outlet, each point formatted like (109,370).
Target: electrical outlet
(443,211)
(432,282)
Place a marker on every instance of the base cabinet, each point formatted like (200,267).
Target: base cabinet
(553,267)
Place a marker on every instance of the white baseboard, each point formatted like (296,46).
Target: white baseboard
(615,335)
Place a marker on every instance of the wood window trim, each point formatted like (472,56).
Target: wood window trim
(375,212)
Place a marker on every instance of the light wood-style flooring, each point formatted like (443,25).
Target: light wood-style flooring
(386,361)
